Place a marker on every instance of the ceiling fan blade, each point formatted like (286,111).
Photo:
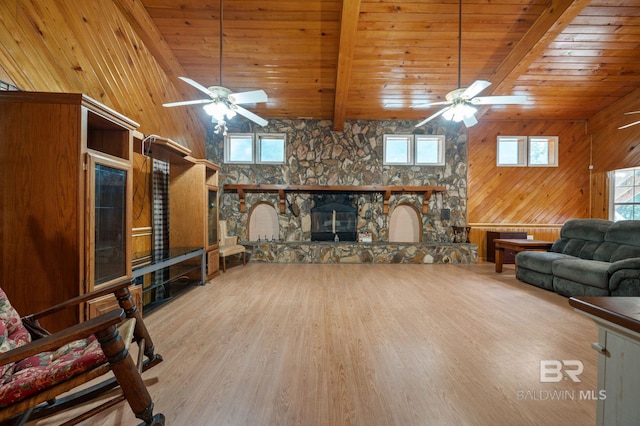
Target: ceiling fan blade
(251,116)
(426,120)
(477,87)
(430,104)
(629,125)
(494,100)
(194,102)
(198,86)
(470,120)
(251,97)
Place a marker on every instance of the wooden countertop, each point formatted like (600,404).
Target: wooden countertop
(622,311)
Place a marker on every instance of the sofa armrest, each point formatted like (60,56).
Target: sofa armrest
(630,263)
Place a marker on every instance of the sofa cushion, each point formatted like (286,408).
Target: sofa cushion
(624,232)
(535,278)
(575,289)
(574,247)
(588,272)
(585,229)
(605,251)
(539,261)
(588,249)
(625,252)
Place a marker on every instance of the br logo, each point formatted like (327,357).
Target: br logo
(554,370)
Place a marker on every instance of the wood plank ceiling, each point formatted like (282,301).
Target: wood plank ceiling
(372,59)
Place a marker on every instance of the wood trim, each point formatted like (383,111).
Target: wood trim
(242,189)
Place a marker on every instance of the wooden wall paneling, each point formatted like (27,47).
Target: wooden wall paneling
(528,195)
(612,148)
(91,48)
(600,195)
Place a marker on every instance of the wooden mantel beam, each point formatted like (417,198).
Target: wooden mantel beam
(282,190)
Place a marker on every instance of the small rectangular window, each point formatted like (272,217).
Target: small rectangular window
(397,149)
(512,151)
(238,148)
(543,151)
(429,150)
(270,148)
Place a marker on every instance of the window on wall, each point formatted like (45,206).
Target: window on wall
(543,151)
(429,150)
(423,150)
(238,148)
(247,148)
(626,194)
(397,149)
(531,151)
(270,148)
(512,151)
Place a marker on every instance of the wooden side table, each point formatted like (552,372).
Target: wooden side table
(517,245)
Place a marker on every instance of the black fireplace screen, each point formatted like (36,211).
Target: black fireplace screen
(334,215)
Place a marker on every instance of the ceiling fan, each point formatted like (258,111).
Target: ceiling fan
(461,102)
(223,102)
(630,124)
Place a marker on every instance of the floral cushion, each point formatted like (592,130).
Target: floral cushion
(12,332)
(31,375)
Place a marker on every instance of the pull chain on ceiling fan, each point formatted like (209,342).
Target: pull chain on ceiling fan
(461,102)
(223,102)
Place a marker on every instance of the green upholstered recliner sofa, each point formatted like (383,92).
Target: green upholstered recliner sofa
(592,257)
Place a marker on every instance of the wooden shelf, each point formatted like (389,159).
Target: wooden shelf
(242,189)
(163,149)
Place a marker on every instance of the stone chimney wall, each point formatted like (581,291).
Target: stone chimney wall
(316,155)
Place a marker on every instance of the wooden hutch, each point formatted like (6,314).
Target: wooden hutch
(65,167)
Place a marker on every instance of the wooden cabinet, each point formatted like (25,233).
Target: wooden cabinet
(166,266)
(65,171)
(194,207)
(211,229)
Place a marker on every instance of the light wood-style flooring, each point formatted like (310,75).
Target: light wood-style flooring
(291,344)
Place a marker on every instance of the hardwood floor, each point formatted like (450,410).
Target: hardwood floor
(292,344)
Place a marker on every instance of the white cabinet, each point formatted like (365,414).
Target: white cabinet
(618,320)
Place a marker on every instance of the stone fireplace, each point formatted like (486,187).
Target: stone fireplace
(334,215)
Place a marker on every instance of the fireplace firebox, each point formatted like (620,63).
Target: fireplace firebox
(334,215)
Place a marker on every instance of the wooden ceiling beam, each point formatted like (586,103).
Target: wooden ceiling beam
(551,22)
(348,30)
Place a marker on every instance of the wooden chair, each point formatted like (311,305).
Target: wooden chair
(37,367)
(229,246)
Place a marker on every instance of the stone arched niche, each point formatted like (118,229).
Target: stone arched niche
(405,225)
(263,222)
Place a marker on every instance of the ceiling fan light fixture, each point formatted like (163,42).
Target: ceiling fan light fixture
(459,111)
(218,110)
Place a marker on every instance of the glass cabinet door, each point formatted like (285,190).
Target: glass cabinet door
(108,226)
(212,217)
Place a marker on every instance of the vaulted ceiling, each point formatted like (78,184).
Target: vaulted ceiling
(373,59)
